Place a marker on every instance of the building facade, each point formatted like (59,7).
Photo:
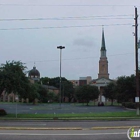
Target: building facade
(84,80)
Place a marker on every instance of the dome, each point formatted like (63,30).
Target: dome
(34,73)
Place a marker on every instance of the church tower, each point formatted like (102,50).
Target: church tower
(103,63)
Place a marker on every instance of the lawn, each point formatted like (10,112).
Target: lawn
(80,116)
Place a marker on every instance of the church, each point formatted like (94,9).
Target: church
(103,75)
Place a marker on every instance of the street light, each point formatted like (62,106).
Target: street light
(60,47)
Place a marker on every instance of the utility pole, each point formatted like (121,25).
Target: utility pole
(136,60)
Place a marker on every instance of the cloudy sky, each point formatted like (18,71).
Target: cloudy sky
(31,30)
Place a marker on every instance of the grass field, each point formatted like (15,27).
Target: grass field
(80,116)
(90,103)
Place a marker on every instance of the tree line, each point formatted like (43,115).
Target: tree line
(13,79)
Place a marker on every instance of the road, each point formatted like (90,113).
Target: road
(114,134)
(65,130)
(83,124)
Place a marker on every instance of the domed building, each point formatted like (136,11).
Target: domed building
(34,74)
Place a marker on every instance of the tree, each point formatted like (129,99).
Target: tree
(51,96)
(12,78)
(87,93)
(33,93)
(110,91)
(67,89)
(44,80)
(126,88)
(55,82)
(42,93)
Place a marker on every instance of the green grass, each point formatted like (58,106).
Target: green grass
(126,114)
(90,103)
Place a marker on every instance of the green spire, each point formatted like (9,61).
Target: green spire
(103,41)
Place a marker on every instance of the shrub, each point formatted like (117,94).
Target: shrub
(123,104)
(2,112)
(129,105)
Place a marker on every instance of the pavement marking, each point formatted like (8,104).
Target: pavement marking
(26,124)
(41,128)
(114,127)
(83,134)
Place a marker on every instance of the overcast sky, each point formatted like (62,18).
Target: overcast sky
(75,24)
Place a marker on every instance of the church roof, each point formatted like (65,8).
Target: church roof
(34,72)
(103,48)
(98,79)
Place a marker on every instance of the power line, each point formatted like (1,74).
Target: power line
(66,5)
(75,18)
(54,27)
(63,19)
(40,61)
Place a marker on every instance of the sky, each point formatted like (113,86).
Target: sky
(31,30)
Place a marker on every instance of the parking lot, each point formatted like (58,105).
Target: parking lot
(56,108)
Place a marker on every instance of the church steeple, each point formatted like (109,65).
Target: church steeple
(103,48)
(103,63)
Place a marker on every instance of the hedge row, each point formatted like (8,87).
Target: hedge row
(130,105)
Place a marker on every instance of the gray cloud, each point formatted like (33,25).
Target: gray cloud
(86,42)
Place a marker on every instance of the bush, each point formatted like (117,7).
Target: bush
(123,104)
(130,105)
(2,112)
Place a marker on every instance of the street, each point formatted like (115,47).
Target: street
(114,134)
(58,123)
(65,130)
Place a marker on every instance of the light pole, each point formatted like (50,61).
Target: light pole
(60,47)
(63,97)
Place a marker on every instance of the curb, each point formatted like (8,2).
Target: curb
(67,128)
(72,119)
